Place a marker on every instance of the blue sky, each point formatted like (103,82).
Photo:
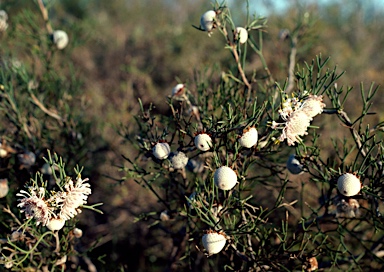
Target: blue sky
(261,6)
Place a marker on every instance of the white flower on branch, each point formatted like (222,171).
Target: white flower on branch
(34,205)
(76,195)
(295,127)
(297,116)
(62,205)
(313,105)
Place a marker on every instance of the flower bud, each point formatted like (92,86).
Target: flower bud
(241,34)
(348,184)
(161,150)
(77,232)
(3,21)
(207,20)
(3,151)
(225,178)
(27,159)
(294,166)
(203,141)
(178,89)
(4,188)
(213,242)
(164,216)
(60,39)
(55,224)
(249,138)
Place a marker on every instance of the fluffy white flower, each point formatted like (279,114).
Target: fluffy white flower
(59,207)
(34,205)
(313,105)
(75,196)
(295,127)
(179,160)
(297,116)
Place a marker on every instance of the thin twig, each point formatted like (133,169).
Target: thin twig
(44,109)
(291,67)
(8,210)
(57,249)
(241,255)
(44,13)
(249,237)
(239,67)
(347,122)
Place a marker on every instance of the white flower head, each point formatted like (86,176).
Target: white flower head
(75,196)
(34,205)
(313,105)
(59,207)
(297,116)
(179,160)
(295,127)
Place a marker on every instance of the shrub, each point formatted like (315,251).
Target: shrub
(39,95)
(271,219)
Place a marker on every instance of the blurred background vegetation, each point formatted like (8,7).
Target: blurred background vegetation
(122,50)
